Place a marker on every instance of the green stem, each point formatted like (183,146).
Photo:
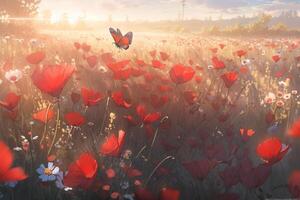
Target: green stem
(56,128)
(155,136)
(157,166)
(46,124)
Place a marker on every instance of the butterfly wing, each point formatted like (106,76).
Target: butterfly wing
(117,35)
(126,41)
(119,32)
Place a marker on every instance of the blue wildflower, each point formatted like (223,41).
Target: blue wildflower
(49,173)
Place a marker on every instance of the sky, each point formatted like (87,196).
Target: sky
(153,10)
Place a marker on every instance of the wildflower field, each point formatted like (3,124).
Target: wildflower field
(174,117)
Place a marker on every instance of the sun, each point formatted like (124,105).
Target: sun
(55,18)
(73,19)
(70,18)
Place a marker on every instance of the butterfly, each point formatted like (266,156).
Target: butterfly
(121,41)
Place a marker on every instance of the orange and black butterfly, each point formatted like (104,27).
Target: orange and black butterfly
(121,41)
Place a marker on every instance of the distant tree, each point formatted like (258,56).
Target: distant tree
(19,8)
(261,25)
(214,29)
(279,27)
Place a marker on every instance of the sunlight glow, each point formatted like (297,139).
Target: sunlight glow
(55,18)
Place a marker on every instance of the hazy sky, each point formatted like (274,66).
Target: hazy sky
(165,9)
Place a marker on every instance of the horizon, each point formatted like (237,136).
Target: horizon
(170,10)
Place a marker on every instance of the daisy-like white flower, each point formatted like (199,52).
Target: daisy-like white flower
(210,67)
(246,62)
(280,103)
(294,92)
(287,96)
(270,98)
(48,173)
(279,94)
(102,69)
(13,75)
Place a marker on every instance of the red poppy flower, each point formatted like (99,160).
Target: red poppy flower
(271,150)
(52,79)
(164,56)
(157,101)
(190,97)
(198,79)
(215,151)
(244,70)
(77,45)
(229,78)
(110,173)
(222,46)
(8,174)
(36,58)
(230,176)
(180,74)
(276,58)
(241,53)
(270,117)
(200,168)
(90,97)
(12,114)
(144,194)
(149,77)
(107,58)
(82,172)
(119,100)
(147,118)
(137,72)
(123,74)
(295,129)
(294,184)
(214,50)
(85,47)
(44,115)
(253,177)
(152,53)
(51,158)
(164,88)
(117,66)
(132,172)
(140,63)
(169,194)
(92,61)
(11,101)
(157,64)
(218,64)
(113,144)
(130,119)
(74,119)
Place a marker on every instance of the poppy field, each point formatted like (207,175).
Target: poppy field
(173,117)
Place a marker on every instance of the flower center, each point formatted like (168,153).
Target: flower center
(13,78)
(48,171)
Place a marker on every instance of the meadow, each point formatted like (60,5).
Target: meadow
(174,117)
